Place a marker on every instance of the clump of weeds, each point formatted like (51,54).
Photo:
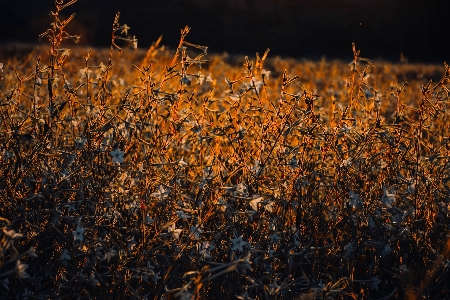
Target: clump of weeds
(161,173)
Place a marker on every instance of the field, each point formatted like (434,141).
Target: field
(173,174)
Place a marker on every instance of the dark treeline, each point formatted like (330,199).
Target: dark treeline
(302,28)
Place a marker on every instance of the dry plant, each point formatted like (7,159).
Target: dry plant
(162,174)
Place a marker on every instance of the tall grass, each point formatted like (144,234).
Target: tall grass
(162,174)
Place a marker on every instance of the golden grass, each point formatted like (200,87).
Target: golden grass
(157,172)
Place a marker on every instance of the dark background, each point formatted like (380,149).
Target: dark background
(419,29)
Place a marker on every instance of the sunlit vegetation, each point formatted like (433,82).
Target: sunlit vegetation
(141,174)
